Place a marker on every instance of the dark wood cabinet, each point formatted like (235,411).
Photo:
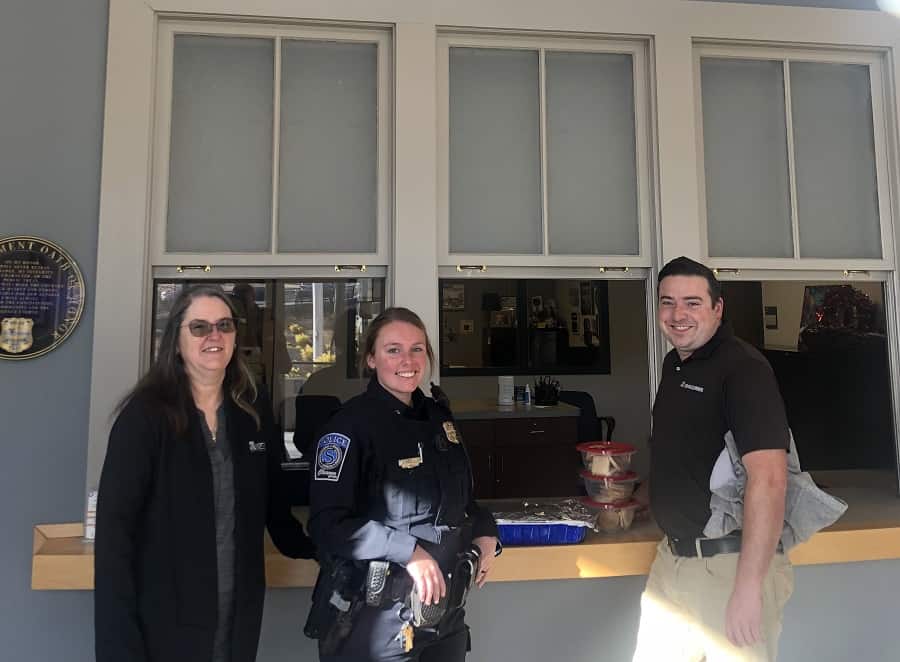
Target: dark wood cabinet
(482,460)
(523,457)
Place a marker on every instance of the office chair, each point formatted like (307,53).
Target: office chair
(312,412)
(590,426)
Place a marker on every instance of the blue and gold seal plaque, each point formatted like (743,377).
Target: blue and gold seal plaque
(41,297)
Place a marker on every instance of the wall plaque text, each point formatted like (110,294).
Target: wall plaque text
(41,297)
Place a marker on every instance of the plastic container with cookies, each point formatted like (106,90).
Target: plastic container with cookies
(606,458)
(610,489)
(612,517)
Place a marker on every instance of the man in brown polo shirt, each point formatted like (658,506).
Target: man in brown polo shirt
(713,598)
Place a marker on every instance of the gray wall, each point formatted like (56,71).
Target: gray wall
(51,74)
(52,63)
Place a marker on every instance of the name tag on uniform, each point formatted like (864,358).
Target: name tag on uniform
(450,432)
(257,447)
(409,462)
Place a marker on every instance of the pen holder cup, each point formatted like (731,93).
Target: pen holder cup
(546,394)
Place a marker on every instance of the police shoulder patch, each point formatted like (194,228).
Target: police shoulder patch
(331,451)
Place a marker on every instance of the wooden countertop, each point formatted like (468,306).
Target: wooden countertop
(464,410)
(868,531)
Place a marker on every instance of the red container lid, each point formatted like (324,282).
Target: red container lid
(630,504)
(606,448)
(626,477)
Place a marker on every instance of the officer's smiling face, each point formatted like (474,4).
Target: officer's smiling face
(399,359)
(688,317)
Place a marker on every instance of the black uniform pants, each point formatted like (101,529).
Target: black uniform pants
(374,639)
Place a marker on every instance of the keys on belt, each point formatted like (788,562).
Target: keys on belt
(406,636)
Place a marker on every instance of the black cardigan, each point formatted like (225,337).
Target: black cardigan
(155,597)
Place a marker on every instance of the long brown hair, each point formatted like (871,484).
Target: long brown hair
(395,314)
(167,385)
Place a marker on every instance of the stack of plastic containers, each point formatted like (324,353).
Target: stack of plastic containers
(610,483)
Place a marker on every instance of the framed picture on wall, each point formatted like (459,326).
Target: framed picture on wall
(587,304)
(589,330)
(508,303)
(453,297)
(501,319)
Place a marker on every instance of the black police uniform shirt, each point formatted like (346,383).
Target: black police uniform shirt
(724,385)
(387,476)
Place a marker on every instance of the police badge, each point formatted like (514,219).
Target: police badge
(450,432)
(15,334)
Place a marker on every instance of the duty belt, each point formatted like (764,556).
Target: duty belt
(390,583)
(706,547)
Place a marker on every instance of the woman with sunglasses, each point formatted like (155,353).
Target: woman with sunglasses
(191,478)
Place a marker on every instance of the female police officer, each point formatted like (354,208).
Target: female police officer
(392,484)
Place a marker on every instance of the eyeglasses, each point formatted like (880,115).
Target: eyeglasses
(202,328)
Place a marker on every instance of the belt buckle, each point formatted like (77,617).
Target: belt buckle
(673,546)
(698,547)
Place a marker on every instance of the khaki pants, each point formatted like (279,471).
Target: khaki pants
(683,609)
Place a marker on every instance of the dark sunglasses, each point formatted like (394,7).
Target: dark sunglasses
(202,328)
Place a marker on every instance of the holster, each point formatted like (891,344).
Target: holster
(464,576)
(337,599)
(340,629)
(320,615)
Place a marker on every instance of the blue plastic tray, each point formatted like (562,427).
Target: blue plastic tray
(541,534)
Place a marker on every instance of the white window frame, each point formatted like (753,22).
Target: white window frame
(168,30)
(881,117)
(637,48)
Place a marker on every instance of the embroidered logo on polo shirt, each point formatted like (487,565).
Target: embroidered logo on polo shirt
(691,387)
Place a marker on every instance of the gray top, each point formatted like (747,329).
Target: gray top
(485,409)
(807,509)
(223,498)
